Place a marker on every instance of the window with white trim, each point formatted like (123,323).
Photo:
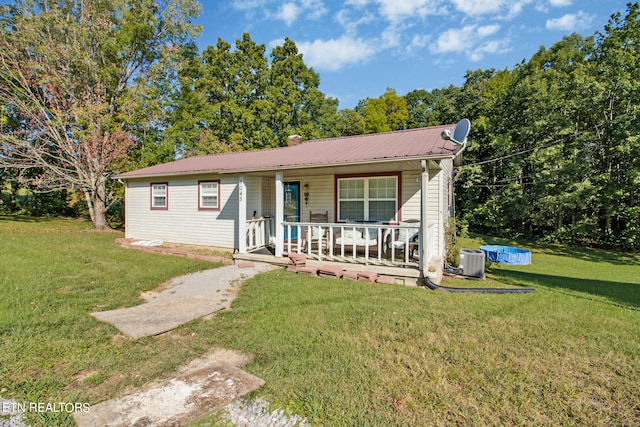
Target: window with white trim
(159,195)
(209,195)
(368,199)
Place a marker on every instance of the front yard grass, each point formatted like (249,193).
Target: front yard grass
(338,352)
(53,274)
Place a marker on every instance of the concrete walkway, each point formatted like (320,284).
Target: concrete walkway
(186,298)
(202,386)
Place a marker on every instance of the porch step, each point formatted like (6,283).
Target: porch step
(401,275)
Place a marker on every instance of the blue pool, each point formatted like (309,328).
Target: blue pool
(507,254)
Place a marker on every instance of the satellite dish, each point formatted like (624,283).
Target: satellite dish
(461,131)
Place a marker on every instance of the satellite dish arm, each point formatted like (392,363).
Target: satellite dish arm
(459,152)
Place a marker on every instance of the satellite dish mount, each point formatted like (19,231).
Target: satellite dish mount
(460,132)
(459,136)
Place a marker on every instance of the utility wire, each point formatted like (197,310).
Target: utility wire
(556,142)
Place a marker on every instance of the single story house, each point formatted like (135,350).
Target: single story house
(374,199)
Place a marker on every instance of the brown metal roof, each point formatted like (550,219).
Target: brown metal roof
(406,144)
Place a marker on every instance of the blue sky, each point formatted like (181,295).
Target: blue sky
(361,47)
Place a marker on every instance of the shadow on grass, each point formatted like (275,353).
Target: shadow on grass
(623,293)
(21,218)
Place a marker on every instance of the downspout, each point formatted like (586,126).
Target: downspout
(242,215)
(279,219)
(423,250)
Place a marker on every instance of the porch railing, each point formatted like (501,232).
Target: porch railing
(376,244)
(260,233)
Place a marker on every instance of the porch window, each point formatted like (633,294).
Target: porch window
(368,198)
(159,195)
(209,195)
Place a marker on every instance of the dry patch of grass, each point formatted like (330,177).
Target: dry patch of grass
(200,250)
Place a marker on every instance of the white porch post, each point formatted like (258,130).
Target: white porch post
(424,222)
(279,219)
(242,215)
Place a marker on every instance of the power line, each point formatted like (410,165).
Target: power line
(556,142)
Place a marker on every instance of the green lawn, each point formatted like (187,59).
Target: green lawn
(338,352)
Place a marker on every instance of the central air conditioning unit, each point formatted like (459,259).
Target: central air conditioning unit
(472,263)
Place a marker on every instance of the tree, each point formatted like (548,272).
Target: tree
(235,99)
(615,149)
(351,123)
(421,108)
(386,113)
(72,73)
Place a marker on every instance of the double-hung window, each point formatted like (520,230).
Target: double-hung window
(159,195)
(368,198)
(209,195)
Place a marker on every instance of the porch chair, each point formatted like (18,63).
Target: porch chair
(401,235)
(319,217)
(314,233)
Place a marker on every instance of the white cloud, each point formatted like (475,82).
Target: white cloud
(570,22)
(333,54)
(488,30)
(351,24)
(395,10)
(357,3)
(483,7)
(560,3)
(419,41)
(455,40)
(478,7)
(390,37)
(290,12)
(471,41)
(314,8)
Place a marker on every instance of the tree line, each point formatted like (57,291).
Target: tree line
(88,89)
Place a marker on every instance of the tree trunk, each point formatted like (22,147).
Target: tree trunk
(99,215)
(97,207)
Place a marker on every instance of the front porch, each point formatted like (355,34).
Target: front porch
(386,249)
(389,215)
(368,244)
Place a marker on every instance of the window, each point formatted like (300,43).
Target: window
(209,195)
(159,195)
(368,198)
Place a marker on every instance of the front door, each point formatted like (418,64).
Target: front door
(291,207)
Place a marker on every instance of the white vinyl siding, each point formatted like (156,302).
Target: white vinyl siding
(437,199)
(182,221)
(321,197)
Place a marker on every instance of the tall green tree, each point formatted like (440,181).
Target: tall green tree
(294,89)
(614,152)
(236,99)
(386,113)
(72,72)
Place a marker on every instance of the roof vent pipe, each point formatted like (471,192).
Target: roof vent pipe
(294,140)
